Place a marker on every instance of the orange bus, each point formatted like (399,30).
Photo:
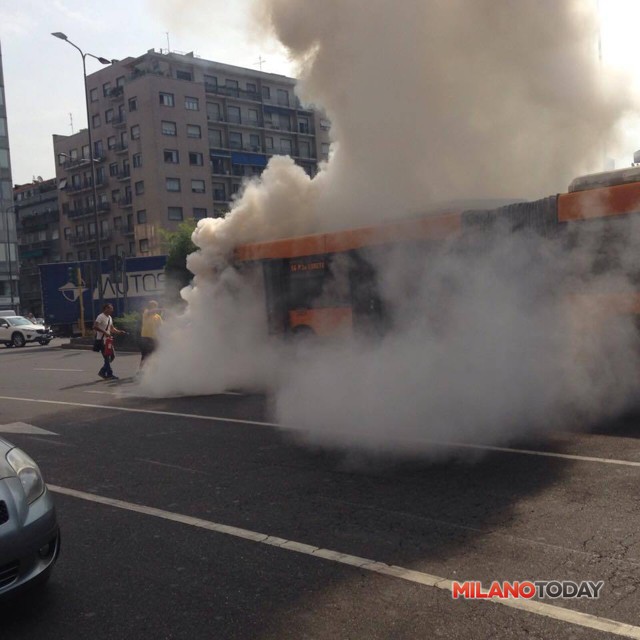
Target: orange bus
(305,296)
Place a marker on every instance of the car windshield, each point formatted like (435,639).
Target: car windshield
(18,321)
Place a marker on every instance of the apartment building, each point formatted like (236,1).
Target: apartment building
(36,206)
(8,255)
(174,136)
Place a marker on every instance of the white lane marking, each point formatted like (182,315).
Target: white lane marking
(43,369)
(24,427)
(530,606)
(154,412)
(195,416)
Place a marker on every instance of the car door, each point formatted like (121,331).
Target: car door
(5,333)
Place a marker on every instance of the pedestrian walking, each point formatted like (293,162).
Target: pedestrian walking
(151,323)
(105,330)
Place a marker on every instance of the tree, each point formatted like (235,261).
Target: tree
(178,245)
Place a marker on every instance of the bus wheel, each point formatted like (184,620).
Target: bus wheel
(303,331)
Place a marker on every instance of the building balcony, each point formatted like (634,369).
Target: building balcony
(121,148)
(81,163)
(103,207)
(127,230)
(232,92)
(125,202)
(118,121)
(84,185)
(117,93)
(123,175)
(76,239)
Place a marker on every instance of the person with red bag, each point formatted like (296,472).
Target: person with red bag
(103,326)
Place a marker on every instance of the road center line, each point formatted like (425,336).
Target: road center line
(530,606)
(195,416)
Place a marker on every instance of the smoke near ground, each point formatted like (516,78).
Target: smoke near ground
(431,102)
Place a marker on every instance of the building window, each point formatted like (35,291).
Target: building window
(139,187)
(85,152)
(119,249)
(215,138)
(93,95)
(219,192)
(92,229)
(67,232)
(124,139)
(120,80)
(253,116)
(305,149)
(98,149)
(303,125)
(213,111)
(117,223)
(115,195)
(175,213)
(211,80)
(105,253)
(133,104)
(166,99)
(108,115)
(266,93)
(199,212)
(82,255)
(325,149)
(113,169)
(171,156)
(141,216)
(70,255)
(251,87)
(233,115)
(194,131)
(197,186)
(144,246)
(195,158)
(269,142)
(173,184)
(135,132)
(55,233)
(111,142)
(106,87)
(254,142)
(184,75)
(104,227)
(169,128)
(283,97)
(95,121)
(192,104)
(235,140)
(285,146)
(100,175)
(137,160)
(232,87)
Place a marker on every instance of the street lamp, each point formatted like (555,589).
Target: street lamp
(8,243)
(84,55)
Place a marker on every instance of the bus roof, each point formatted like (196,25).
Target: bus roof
(429,227)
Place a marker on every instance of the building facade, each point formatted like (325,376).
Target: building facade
(174,136)
(38,215)
(9,297)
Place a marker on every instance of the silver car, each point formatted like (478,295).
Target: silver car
(29,533)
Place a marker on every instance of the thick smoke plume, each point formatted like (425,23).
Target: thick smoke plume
(432,103)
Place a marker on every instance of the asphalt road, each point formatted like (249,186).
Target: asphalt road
(187,518)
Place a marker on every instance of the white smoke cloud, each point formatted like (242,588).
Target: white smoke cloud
(430,102)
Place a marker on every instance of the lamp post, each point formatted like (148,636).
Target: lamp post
(8,244)
(84,55)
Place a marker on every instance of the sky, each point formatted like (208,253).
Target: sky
(43,75)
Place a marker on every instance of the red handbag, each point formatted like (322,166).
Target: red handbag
(108,346)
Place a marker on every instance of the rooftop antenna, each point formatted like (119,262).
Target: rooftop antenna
(168,44)
(260,62)
(71,122)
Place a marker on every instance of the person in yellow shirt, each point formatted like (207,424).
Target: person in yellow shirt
(151,323)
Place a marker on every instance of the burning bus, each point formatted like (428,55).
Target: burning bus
(327,284)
